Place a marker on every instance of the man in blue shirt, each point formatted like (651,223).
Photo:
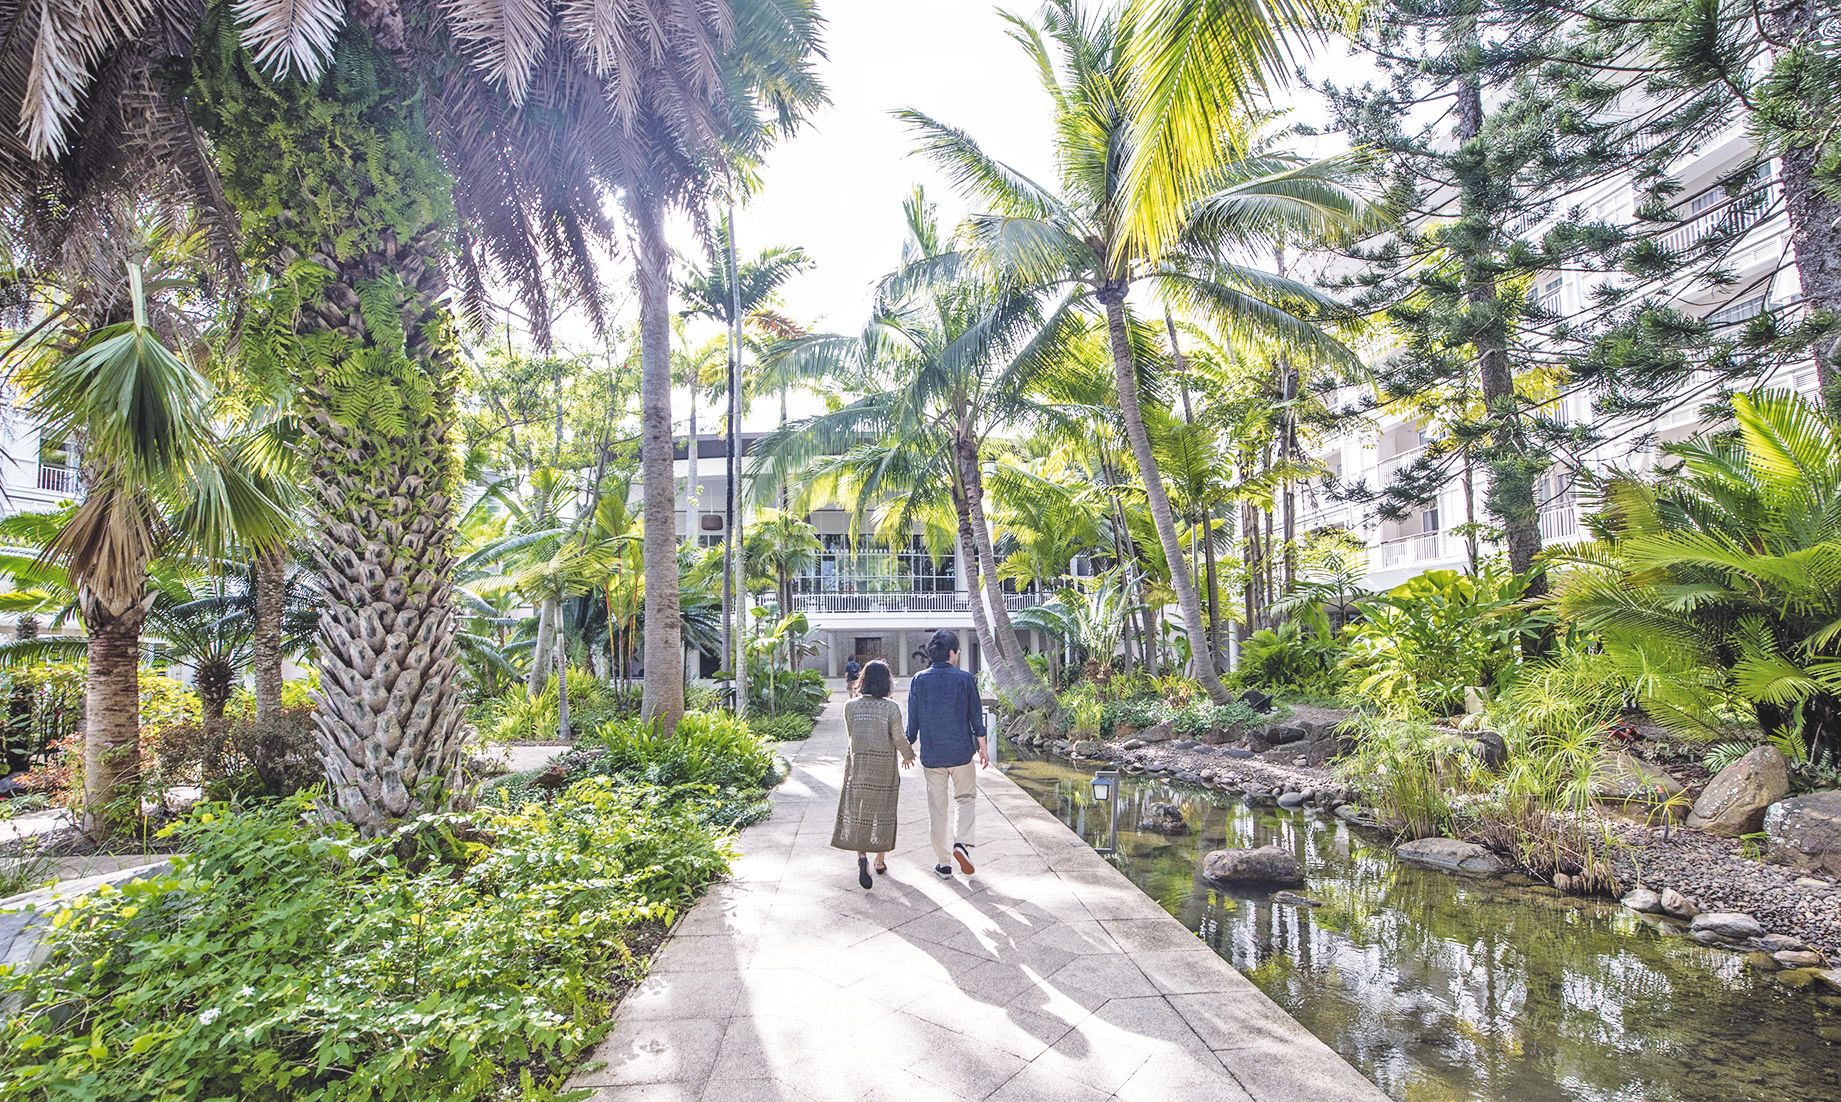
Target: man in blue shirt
(946,717)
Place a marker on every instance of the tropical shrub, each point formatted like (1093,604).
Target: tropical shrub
(289,959)
(249,758)
(1717,589)
(517,716)
(787,727)
(708,748)
(1409,772)
(775,691)
(1289,660)
(1203,718)
(1422,643)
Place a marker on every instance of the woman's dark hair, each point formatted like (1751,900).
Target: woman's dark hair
(941,645)
(876,680)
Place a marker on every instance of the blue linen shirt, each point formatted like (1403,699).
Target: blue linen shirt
(945,715)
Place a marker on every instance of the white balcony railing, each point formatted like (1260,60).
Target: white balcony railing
(1560,521)
(1419,547)
(900,602)
(59,480)
(1733,215)
(1386,467)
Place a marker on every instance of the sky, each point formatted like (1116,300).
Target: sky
(836,188)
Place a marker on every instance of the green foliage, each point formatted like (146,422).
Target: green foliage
(786,727)
(1289,659)
(1715,589)
(709,748)
(517,716)
(287,959)
(249,758)
(1409,771)
(1202,718)
(775,691)
(1420,644)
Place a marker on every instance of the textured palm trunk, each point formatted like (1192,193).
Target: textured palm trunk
(1125,377)
(981,624)
(1813,213)
(662,699)
(111,716)
(271,579)
(19,707)
(1029,690)
(390,720)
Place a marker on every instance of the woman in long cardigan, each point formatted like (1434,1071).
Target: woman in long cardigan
(879,749)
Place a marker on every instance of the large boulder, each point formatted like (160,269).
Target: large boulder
(1158,732)
(1262,865)
(1449,855)
(1732,926)
(1626,782)
(1734,801)
(1806,831)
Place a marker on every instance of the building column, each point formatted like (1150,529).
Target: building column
(901,653)
(832,661)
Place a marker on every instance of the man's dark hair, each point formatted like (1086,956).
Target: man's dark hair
(876,679)
(941,646)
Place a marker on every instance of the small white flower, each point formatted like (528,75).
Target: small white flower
(208,1016)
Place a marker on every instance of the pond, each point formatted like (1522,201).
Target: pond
(1441,987)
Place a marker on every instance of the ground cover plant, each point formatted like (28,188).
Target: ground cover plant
(468,955)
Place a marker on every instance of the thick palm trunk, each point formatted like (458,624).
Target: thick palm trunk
(663,696)
(1125,376)
(1814,214)
(1030,691)
(111,716)
(271,579)
(981,625)
(19,707)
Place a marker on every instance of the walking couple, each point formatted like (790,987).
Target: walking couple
(946,718)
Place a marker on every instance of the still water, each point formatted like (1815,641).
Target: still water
(1441,987)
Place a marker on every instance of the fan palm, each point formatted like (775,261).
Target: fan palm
(1082,233)
(1725,577)
(943,364)
(156,479)
(355,144)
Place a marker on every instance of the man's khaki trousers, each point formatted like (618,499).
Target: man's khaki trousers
(952,824)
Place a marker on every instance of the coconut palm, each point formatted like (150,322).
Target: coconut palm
(501,129)
(942,365)
(1080,233)
(781,545)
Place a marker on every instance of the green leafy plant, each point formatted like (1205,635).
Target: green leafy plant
(787,727)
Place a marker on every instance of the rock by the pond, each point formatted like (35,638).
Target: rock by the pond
(1734,802)
(1086,748)
(1643,901)
(1491,748)
(1260,865)
(1286,733)
(1449,855)
(1797,978)
(1829,977)
(1727,925)
(1295,900)
(1674,903)
(1762,961)
(1164,819)
(1132,744)
(1805,831)
(1625,781)
(1569,883)
(1798,958)
(1183,744)
(1158,732)
(1236,752)
(1291,799)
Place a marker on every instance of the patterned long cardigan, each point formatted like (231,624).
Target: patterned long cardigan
(872,776)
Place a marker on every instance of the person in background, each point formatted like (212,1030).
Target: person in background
(866,806)
(852,670)
(946,717)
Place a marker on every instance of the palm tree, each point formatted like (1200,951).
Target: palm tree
(1090,232)
(155,476)
(209,623)
(943,364)
(404,138)
(781,545)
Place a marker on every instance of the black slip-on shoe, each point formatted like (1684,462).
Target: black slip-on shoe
(944,872)
(881,870)
(863,876)
(962,854)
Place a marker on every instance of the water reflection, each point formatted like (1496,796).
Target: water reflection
(1441,987)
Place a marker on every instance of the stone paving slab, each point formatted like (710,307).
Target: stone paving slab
(1047,976)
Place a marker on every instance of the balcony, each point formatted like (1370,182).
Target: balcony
(1388,466)
(59,480)
(1420,547)
(1731,216)
(901,602)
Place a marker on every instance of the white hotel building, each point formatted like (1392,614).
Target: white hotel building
(1764,277)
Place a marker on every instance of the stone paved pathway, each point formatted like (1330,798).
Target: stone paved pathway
(1047,976)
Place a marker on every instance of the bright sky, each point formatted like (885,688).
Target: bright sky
(837,187)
